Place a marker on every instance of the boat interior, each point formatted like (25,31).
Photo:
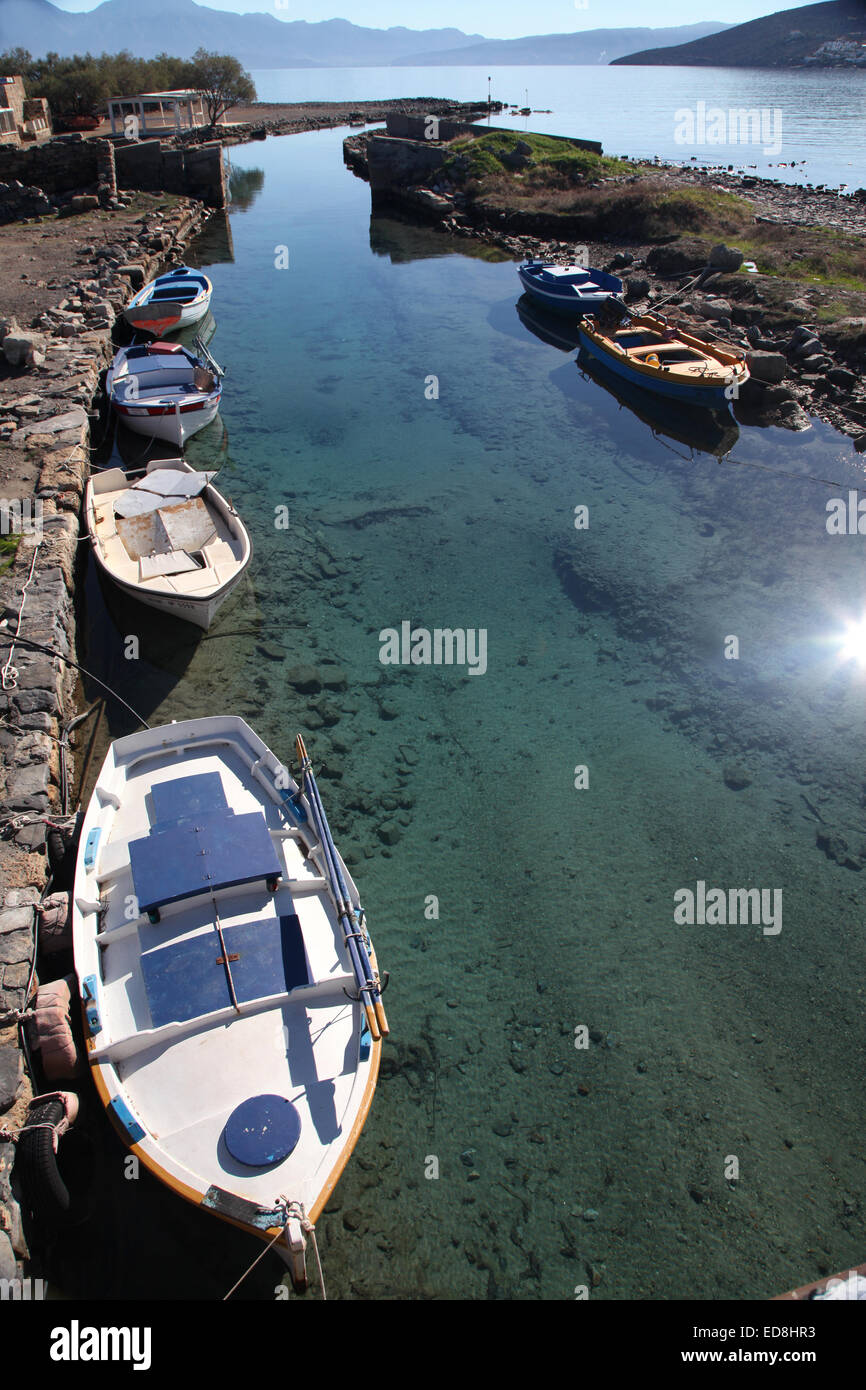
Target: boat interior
(181,292)
(150,376)
(174,543)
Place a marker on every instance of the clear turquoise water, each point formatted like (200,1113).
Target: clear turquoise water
(558,1167)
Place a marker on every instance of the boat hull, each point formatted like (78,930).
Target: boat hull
(174,1075)
(165,318)
(197,608)
(712,431)
(174,427)
(200,612)
(157,392)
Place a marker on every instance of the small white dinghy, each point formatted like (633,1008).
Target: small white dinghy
(167,538)
(231,998)
(165,391)
(170,302)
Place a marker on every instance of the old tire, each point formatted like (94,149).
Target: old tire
(44,1193)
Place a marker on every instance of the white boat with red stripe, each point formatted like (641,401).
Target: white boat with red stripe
(165,391)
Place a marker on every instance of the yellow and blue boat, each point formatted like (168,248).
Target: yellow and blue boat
(650,352)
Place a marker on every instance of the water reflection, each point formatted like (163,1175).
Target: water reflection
(214,244)
(553,329)
(708,431)
(245,185)
(403,241)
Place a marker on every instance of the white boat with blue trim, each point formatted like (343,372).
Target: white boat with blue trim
(231,998)
(170,302)
(568,289)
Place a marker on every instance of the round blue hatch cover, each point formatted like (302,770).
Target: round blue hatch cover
(263,1130)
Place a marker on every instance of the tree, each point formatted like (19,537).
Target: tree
(222,81)
(15,62)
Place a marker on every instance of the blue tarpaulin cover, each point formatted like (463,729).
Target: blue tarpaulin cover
(183,797)
(184,979)
(207,852)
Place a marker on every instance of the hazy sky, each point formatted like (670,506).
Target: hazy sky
(501,19)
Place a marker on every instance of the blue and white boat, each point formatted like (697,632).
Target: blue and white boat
(172,301)
(568,289)
(230,993)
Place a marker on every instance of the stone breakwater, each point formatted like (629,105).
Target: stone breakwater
(260,119)
(49,376)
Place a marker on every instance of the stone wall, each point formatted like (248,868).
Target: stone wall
(405,157)
(396,164)
(44,453)
(69,165)
(408,127)
(197,171)
(60,166)
(22,118)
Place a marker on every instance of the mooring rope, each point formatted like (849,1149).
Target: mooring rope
(9,672)
(67,660)
(253,1265)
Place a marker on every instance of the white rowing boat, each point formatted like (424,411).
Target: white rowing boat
(164,391)
(225,1032)
(167,538)
(170,302)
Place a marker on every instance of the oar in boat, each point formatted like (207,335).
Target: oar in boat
(368,987)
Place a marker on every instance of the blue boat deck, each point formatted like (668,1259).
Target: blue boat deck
(198,851)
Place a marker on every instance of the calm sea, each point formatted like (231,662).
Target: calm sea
(581,1092)
(813,121)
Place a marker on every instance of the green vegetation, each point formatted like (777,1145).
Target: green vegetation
(555,188)
(662,212)
(81,86)
(810,255)
(554,163)
(222,80)
(8,551)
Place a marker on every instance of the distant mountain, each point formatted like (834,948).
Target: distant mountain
(588,47)
(832,34)
(179,27)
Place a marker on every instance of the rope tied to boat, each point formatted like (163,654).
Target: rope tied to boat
(250,1269)
(293,1211)
(296,1210)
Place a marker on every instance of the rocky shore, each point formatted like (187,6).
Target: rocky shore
(806,340)
(56,322)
